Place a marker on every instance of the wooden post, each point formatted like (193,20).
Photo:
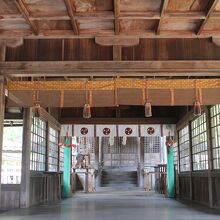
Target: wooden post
(100,150)
(210,164)
(140,163)
(2,111)
(191,161)
(25,167)
(2,51)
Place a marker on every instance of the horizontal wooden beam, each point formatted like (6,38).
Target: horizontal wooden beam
(117,40)
(124,68)
(60,34)
(108,15)
(118,120)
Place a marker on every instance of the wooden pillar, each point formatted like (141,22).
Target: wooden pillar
(191,161)
(2,111)
(210,158)
(2,51)
(96,153)
(141,161)
(100,150)
(25,167)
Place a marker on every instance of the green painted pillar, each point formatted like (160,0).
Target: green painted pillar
(66,172)
(170,174)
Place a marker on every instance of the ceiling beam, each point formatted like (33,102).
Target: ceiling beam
(117,14)
(152,120)
(163,10)
(110,16)
(69,9)
(54,34)
(210,9)
(109,68)
(25,13)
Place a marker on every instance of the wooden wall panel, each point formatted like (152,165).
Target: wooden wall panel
(200,189)
(86,49)
(36,50)
(184,189)
(216,191)
(10,196)
(45,188)
(172,49)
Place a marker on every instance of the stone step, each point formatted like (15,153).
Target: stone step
(118,178)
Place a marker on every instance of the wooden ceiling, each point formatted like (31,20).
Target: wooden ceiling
(90,18)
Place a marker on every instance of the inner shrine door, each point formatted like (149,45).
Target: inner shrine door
(119,155)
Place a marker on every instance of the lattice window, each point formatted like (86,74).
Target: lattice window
(53,150)
(175,154)
(199,143)
(61,159)
(184,149)
(151,144)
(215,128)
(11,154)
(38,145)
(86,145)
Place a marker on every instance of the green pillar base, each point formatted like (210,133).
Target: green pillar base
(170,174)
(66,172)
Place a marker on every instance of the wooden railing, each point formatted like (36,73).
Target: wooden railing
(156,179)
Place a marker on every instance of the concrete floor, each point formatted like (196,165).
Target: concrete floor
(114,205)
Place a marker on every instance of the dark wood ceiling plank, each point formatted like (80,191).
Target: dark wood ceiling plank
(117,14)
(162,13)
(211,8)
(72,16)
(25,13)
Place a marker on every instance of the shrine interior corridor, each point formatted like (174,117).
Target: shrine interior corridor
(109,205)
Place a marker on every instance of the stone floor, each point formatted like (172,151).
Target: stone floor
(114,205)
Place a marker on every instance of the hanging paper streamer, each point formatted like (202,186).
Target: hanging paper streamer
(111,141)
(84,130)
(169,129)
(124,140)
(66,131)
(150,130)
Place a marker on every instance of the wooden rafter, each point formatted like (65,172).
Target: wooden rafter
(24,11)
(163,10)
(72,16)
(117,14)
(211,8)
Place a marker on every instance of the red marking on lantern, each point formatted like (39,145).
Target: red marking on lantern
(150,130)
(106,131)
(84,131)
(128,131)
